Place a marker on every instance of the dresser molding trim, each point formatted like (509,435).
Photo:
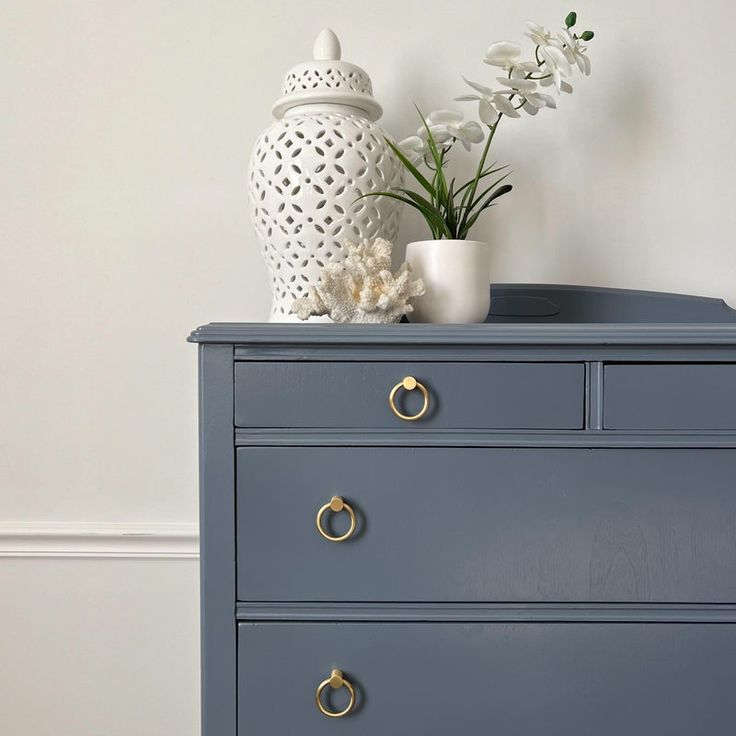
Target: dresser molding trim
(481,438)
(349,350)
(488,612)
(477,334)
(93,540)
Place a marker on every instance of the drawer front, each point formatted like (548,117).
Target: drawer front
(500,679)
(669,397)
(461,395)
(481,524)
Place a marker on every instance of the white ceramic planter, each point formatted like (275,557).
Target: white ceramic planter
(456,274)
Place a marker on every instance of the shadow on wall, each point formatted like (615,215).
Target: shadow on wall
(607,176)
(565,175)
(414,86)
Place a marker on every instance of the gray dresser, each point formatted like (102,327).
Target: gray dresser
(520,528)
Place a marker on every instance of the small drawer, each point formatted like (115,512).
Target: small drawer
(435,679)
(458,395)
(670,396)
(454,524)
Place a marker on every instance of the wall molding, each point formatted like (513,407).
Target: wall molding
(92,540)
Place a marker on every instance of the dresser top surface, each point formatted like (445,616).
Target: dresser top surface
(523,314)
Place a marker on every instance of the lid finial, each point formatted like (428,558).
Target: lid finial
(327,46)
(327,80)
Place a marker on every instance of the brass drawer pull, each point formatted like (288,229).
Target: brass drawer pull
(335,681)
(409,384)
(336,505)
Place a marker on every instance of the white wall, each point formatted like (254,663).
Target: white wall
(124,136)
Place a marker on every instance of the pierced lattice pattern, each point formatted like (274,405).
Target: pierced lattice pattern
(310,78)
(306,172)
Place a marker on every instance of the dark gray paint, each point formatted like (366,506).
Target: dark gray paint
(454,524)
(670,397)
(547,348)
(479,438)
(548,675)
(467,395)
(547,303)
(407,336)
(217,540)
(599,311)
(499,679)
(490,612)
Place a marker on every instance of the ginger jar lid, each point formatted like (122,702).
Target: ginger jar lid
(329,80)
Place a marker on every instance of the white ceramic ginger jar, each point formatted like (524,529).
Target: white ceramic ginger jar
(308,168)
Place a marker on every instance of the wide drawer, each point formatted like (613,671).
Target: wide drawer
(501,679)
(460,395)
(670,396)
(487,524)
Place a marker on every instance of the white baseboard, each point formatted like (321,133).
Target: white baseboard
(99,540)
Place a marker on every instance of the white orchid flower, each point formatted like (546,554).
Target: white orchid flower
(447,126)
(469,133)
(526,89)
(539,35)
(557,64)
(503,54)
(414,148)
(575,51)
(526,67)
(438,121)
(490,102)
(550,51)
(564,86)
(486,112)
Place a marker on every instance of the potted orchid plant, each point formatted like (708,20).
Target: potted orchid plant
(454,268)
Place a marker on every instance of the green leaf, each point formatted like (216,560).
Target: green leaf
(481,167)
(571,19)
(453,213)
(428,212)
(505,189)
(467,186)
(439,178)
(413,170)
(479,198)
(587,35)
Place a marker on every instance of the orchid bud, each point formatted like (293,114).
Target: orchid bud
(571,19)
(587,35)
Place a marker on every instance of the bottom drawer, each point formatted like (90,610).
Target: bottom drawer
(436,679)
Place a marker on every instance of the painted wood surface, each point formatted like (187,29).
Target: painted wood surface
(500,679)
(582,314)
(567,566)
(463,524)
(671,396)
(461,395)
(377,612)
(217,540)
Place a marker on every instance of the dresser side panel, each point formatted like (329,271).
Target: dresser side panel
(217,540)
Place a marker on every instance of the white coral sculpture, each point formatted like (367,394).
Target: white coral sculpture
(361,287)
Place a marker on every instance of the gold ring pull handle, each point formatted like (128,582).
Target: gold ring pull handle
(335,681)
(409,384)
(336,505)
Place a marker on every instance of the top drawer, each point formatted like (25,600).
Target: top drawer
(460,395)
(670,396)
